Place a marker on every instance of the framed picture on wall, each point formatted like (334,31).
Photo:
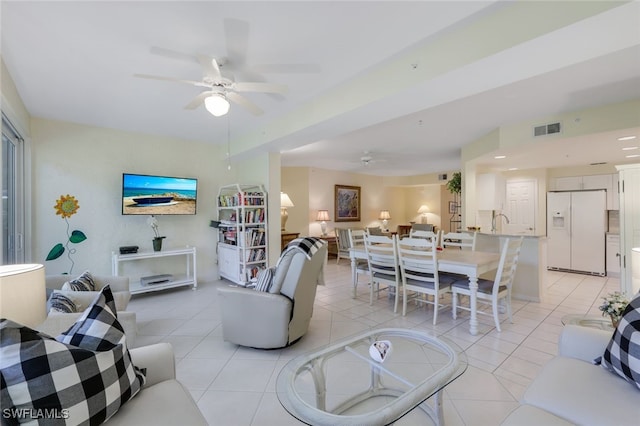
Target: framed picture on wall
(347,203)
(453,207)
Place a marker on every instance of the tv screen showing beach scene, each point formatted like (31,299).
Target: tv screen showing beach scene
(151,195)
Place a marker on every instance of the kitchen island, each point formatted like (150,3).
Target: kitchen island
(529,283)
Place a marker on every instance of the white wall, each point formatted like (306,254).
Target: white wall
(88,162)
(312,189)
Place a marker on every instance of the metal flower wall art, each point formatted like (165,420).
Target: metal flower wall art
(67,206)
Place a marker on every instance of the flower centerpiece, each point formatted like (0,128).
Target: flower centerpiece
(614,305)
(157,239)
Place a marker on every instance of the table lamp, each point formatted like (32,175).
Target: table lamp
(23,297)
(423,210)
(384,216)
(323,216)
(285,202)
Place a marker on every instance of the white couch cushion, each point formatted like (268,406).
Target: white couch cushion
(584,393)
(165,403)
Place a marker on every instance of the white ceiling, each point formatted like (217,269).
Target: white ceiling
(375,91)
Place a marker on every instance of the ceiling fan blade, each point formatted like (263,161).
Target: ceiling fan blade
(287,68)
(198,100)
(161,51)
(237,37)
(244,102)
(177,80)
(260,87)
(210,66)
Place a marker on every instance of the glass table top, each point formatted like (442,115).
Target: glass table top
(346,383)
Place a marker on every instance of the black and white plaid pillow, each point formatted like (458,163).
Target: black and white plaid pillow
(84,377)
(622,355)
(84,282)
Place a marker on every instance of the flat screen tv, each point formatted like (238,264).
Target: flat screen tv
(157,195)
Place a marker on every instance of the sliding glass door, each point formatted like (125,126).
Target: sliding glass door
(13,211)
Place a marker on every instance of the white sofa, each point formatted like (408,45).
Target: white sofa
(570,389)
(56,323)
(162,400)
(119,288)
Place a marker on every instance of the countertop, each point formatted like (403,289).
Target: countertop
(500,234)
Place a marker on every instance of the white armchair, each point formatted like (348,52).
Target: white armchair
(273,319)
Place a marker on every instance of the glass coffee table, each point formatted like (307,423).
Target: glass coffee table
(342,383)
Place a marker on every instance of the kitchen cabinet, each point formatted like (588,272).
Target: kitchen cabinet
(629,224)
(570,183)
(613,255)
(609,182)
(613,196)
(490,190)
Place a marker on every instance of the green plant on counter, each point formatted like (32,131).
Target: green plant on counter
(455,184)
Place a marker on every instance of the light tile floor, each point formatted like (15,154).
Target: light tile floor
(235,386)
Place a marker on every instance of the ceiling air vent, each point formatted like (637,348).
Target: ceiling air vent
(546,129)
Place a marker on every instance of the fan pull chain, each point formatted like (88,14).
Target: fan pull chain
(228,144)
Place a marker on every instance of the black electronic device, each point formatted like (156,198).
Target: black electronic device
(156,279)
(128,249)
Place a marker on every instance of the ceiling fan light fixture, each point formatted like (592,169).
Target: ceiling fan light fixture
(217,104)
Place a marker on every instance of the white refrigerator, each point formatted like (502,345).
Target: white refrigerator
(576,227)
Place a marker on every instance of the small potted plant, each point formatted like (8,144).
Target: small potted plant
(157,240)
(614,305)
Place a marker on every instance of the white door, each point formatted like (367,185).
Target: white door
(520,207)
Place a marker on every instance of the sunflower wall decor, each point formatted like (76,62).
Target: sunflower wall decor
(67,206)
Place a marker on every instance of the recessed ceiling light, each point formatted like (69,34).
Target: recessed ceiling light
(500,157)
(627,138)
(513,168)
(629,148)
(633,156)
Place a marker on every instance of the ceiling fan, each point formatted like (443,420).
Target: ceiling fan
(223,88)
(367,159)
(220,89)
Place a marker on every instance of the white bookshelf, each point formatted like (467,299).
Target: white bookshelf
(242,232)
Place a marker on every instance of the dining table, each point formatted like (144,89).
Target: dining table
(471,263)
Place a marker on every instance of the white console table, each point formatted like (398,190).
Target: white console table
(189,278)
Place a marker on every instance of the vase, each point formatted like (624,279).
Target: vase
(157,243)
(614,320)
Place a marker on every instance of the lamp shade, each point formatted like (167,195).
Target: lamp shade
(384,215)
(23,296)
(323,215)
(217,104)
(285,201)
(423,209)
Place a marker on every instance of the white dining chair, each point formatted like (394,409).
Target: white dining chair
(492,292)
(418,260)
(461,240)
(342,241)
(382,258)
(356,240)
(429,235)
